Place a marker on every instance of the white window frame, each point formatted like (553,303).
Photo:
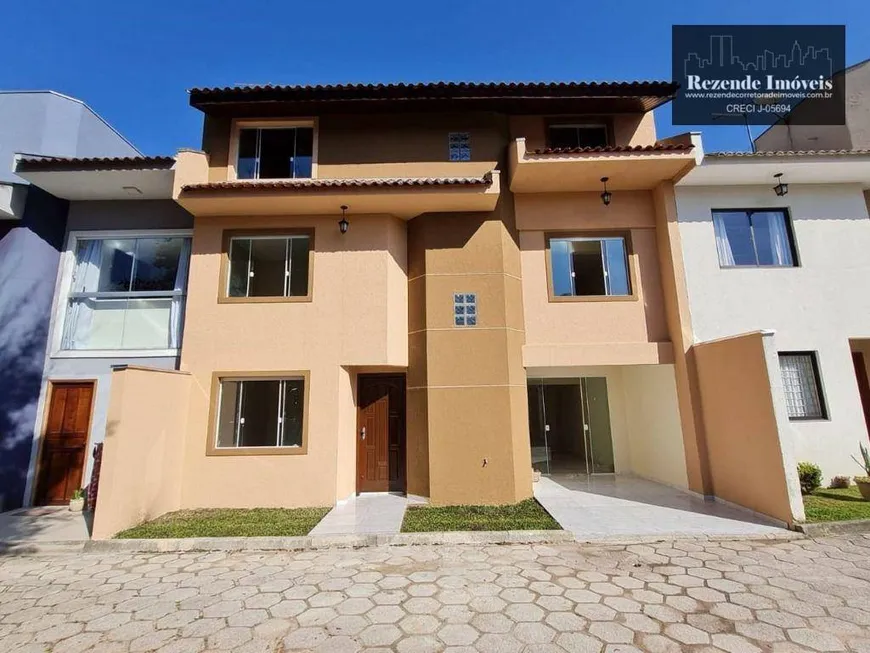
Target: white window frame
(604,266)
(282,398)
(266,123)
(64,284)
(287,265)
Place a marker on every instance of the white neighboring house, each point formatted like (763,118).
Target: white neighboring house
(797,264)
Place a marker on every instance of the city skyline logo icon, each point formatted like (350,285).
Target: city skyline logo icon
(759,74)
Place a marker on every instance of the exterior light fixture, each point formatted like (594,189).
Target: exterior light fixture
(343,224)
(780,189)
(606,196)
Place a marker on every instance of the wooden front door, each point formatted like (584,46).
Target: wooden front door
(64,444)
(380,458)
(863,384)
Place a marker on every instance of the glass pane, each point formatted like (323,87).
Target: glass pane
(146,323)
(617,267)
(246,167)
(592,136)
(94,323)
(772,242)
(156,263)
(259,414)
(116,265)
(560,261)
(799,383)
(566,137)
(540,451)
(587,268)
(240,251)
(277,148)
(299,266)
(268,267)
(734,239)
(294,395)
(228,413)
(304,152)
(598,420)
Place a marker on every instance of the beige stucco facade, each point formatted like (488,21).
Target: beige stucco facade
(381,300)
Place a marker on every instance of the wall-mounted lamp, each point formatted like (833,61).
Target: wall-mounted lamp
(780,189)
(606,196)
(343,224)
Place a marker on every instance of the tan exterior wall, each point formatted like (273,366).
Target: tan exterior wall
(357,317)
(568,332)
(143,467)
(654,430)
(468,384)
(750,460)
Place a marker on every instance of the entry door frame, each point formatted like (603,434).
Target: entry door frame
(402,469)
(860,366)
(52,385)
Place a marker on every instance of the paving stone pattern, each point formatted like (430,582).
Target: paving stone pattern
(804,595)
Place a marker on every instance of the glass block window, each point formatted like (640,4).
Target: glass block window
(464,309)
(801,382)
(460,146)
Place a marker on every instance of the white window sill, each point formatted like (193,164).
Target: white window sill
(115,353)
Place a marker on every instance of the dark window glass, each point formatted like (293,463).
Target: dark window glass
(755,238)
(156,263)
(572,136)
(116,267)
(269,267)
(304,152)
(589,267)
(247,165)
(261,413)
(240,253)
(294,392)
(276,153)
(299,253)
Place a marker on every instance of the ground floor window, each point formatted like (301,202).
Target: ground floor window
(802,385)
(260,413)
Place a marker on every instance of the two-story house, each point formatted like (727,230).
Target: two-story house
(32,226)
(427,288)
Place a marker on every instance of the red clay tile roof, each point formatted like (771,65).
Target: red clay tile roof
(509,96)
(626,149)
(316,184)
(49,163)
(775,153)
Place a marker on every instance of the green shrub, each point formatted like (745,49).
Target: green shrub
(840,482)
(810,476)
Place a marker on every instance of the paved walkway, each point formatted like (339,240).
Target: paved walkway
(600,507)
(45,524)
(364,514)
(695,596)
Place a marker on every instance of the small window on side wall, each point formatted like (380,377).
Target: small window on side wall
(589,267)
(753,238)
(571,137)
(802,385)
(260,413)
(268,266)
(459,146)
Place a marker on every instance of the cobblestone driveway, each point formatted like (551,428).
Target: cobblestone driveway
(779,596)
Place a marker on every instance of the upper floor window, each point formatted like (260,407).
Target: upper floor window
(753,238)
(589,267)
(127,293)
(268,266)
(577,135)
(275,153)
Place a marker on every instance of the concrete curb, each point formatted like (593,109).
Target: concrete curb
(327,541)
(820,529)
(37,548)
(629,540)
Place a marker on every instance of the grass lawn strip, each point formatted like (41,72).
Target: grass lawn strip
(524,516)
(229,523)
(836,505)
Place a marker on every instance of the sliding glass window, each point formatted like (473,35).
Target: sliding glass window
(589,267)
